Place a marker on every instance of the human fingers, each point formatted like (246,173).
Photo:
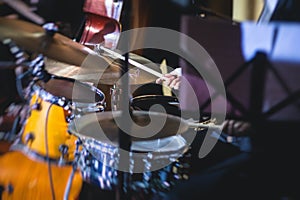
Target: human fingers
(175,83)
(244,128)
(166,79)
(228,127)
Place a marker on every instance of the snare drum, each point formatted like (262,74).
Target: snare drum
(154,164)
(52,106)
(101,169)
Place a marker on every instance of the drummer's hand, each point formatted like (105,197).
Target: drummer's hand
(171,79)
(236,127)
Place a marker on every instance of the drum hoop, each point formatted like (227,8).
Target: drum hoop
(66,102)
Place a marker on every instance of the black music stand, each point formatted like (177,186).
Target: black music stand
(260,67)
(238,51)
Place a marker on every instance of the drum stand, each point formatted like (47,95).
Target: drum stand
(74,168)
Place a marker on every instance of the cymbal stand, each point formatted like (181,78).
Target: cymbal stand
(123,192)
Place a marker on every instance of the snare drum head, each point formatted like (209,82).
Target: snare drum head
(168,144)
(104,126)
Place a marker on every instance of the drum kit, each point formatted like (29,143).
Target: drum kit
(70,134)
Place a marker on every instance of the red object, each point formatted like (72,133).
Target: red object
(96,27)
(102,18)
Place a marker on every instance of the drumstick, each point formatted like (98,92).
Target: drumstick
(134,63)
(203,125)
(25,10)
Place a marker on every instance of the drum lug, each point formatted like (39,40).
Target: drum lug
(36,106)
(10,189)
(64,150)
(101,107)
(70,118)
(29,137)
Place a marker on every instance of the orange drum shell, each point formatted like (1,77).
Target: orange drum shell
(30,179)
(48,126)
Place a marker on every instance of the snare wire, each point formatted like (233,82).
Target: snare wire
(47,153)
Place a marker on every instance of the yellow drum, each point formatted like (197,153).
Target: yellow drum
(24,178)
(52,106)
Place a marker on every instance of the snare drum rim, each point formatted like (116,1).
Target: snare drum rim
(66,102)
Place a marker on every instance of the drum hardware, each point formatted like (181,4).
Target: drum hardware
(115,97)
(36,106)
(69,118)
(124,140)
(37,68)
(74,169)
(29,138)
(19,55)
(50,28)
(64,152)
